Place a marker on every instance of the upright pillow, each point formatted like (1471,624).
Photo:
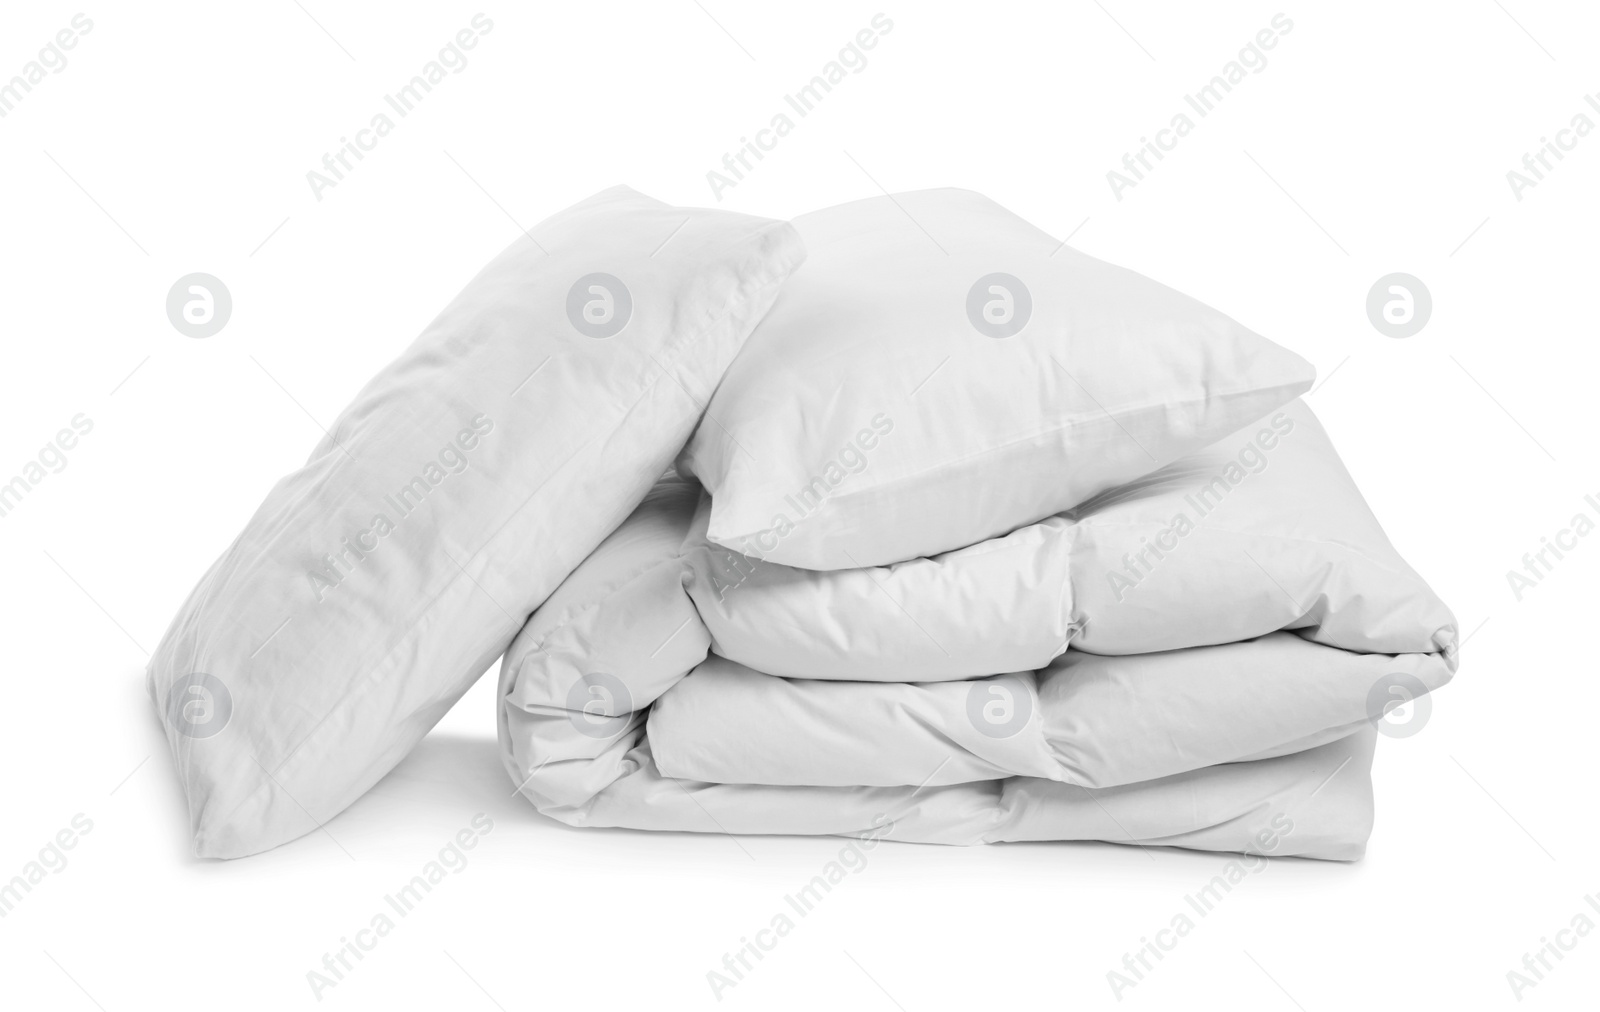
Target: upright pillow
(467,479)
(942,372)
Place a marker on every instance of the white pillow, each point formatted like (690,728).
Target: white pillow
(1262,530)
(941,372)
(466,480)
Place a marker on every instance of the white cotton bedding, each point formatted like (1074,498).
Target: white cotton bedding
(464,482)
(1261,540)
(1185,661)
(936,348)
(1088,720)
(1316,803)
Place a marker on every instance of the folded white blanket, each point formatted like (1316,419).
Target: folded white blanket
(1188,661)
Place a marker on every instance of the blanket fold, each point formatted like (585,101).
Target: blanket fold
(1190,660)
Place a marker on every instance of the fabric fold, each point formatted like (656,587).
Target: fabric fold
(996,693)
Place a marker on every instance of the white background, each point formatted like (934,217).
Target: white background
(1377,139)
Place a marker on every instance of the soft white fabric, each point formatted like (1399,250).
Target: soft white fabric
(458,489)
(1087,719)
(1316,803)
(1262,530)
(945,687)
(874,417)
